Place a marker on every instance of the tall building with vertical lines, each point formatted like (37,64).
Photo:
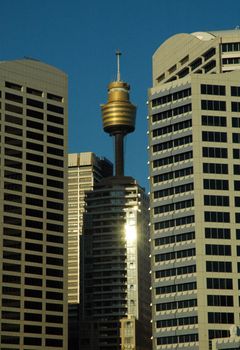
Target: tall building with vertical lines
(33,210)
(194,154)
(84,171)
(116,301)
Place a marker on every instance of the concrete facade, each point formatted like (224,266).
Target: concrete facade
(33,213)
(84,171)
(194,150)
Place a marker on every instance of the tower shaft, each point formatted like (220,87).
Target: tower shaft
(119,154)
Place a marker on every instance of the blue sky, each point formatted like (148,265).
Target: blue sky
(81,37)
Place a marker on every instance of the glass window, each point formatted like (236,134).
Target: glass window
(213,89)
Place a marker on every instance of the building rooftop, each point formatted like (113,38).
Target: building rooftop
(205,36)
(178,56)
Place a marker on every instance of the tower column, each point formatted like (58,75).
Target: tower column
(119,154)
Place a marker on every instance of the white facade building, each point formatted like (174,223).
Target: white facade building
(194,153)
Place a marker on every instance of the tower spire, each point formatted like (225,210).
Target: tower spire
(118,54)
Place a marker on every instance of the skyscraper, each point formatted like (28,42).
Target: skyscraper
(194,157)
(116,245)
(84,170)
(33,212)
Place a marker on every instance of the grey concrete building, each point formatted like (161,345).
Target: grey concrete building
(194,154)
(33,212)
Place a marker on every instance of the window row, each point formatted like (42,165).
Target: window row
(176,339)
(176,271)
(173,305)
(174,206)
(217,233)
(10,174)
(174,288)
(33,135)
(214,136)
(11,339)
(219,283)
(231,60)
(214,152)
(10,243)
(12,315)
(172,128)
(33,202)
(173,175)
(221,317)
(215,168)
(213,184)
(172,143)
(174,222)
(218,266)
(211,120)
(31,270)
(29,102)
(222,201)
(172,112)
(11,255)
(172,159)
(214,216)
(171,97)
(32,91)
(175,255)
(182,237)
(174,322)
(213,89)
(13,220)
(228,47)
(218,333)
(213,105)
(173,190)
(220,300)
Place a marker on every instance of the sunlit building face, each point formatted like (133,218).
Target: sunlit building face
(33,214)
(194,154)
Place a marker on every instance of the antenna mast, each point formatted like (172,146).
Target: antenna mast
(118,54)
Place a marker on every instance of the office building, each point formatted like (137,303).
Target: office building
(116,245)
(84,170)
(194,154)
(33,206)
(116,271)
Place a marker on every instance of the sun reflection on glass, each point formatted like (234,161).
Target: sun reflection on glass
(130,232)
